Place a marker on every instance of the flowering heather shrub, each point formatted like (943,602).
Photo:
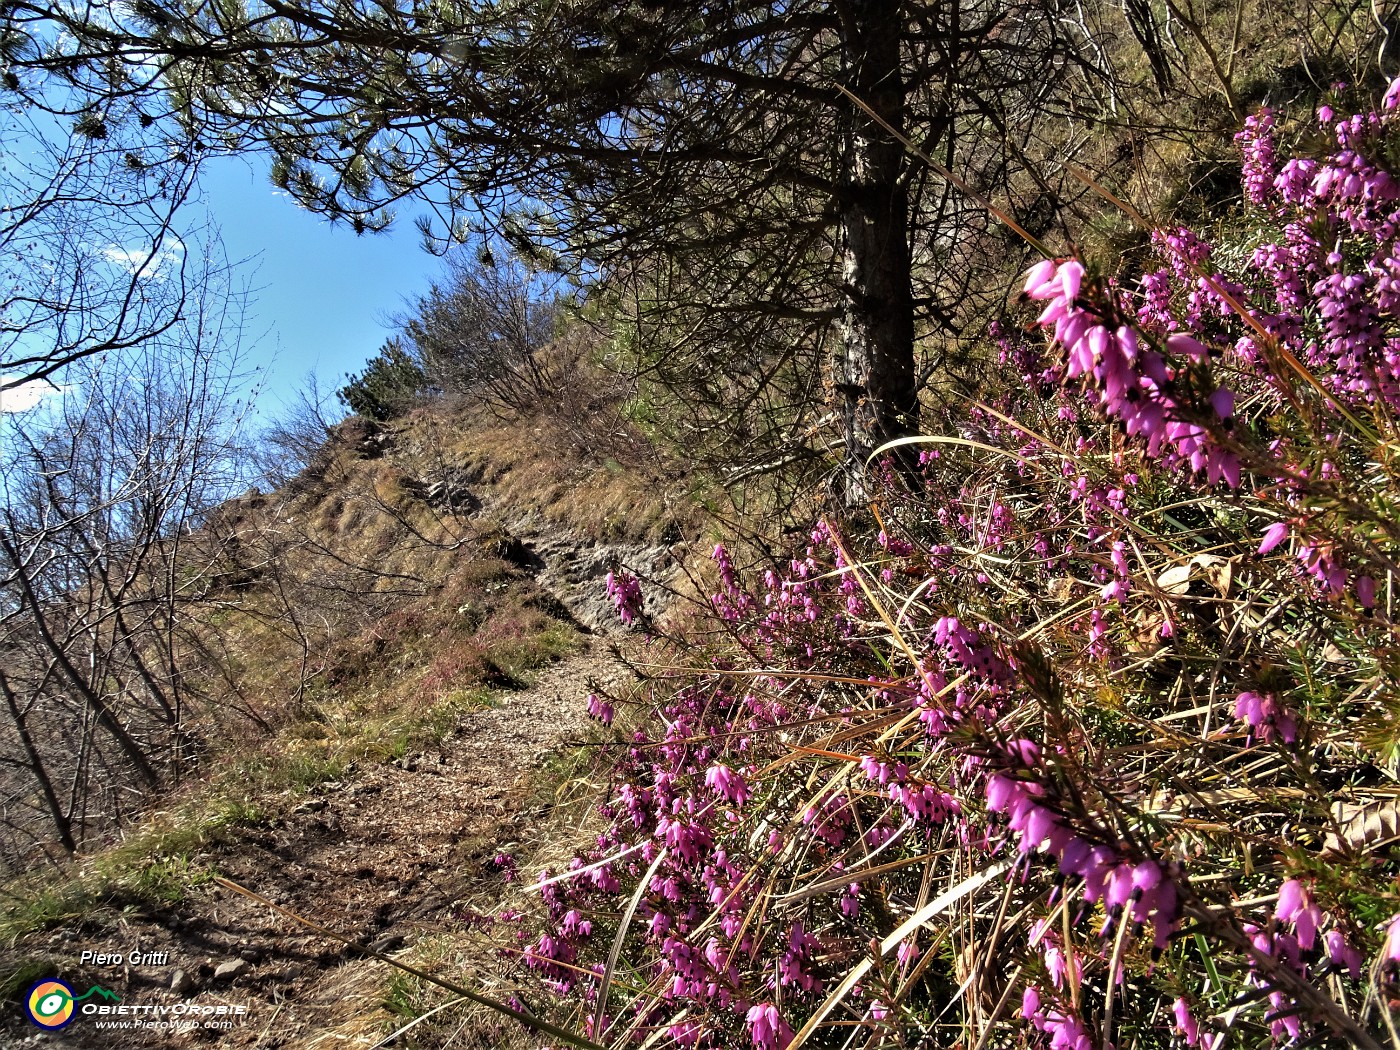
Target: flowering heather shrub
(1095,744)
(625,592)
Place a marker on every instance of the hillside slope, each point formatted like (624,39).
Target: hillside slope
(404,635)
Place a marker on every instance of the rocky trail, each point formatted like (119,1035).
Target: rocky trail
(389,855)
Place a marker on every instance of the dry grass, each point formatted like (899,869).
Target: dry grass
(347,621)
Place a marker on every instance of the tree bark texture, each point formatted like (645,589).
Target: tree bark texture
(875,376)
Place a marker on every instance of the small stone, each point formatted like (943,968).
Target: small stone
(387,943)
(181,983)
(227,971)
(428,907)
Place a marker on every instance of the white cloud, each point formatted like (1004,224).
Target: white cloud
(142,260)
(25,396)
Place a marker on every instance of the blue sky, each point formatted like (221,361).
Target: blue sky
(322,296)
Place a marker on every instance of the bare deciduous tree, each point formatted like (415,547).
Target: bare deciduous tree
(482,329)
(92,256)
(100,488)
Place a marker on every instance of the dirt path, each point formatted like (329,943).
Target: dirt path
(389,856)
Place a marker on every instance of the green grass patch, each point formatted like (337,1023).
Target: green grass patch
(156,865)
(18,977)
(518,657)
(297,771)
(404,994)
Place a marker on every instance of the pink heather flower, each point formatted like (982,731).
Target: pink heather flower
(767,1028)
(1071,277)
(1341,954)
(1039,822)
(625,590)
(908,951)
(1266,717)
(1296,908)
(1131,379)
(726,783)
(875,770)
(1390,953)
(1065,1032)
(1223,401)
(1115,591)
(1119,887)
(1030,1003)
(1273,536)
(1117,555)
(600,709)
(1291,897)
(1185,1023)
(1260,165)
(1284,1023)
(1321,562)
(1186,346)
(792,967)
(1039,277)
(1057,965)
(1294,181)
(1366,592)
(1146,876)
(1392,95)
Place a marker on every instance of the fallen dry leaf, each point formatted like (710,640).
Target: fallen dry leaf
(1363,826)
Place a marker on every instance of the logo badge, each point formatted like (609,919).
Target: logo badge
(50,1004)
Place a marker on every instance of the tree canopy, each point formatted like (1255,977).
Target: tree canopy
(709,159)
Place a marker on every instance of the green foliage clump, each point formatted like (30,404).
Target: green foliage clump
(391,381)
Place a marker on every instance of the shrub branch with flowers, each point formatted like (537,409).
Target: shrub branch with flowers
(1096,743)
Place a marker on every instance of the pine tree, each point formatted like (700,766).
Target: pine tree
(710,153)
(387,387)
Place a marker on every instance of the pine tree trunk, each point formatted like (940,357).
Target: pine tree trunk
(875,362)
